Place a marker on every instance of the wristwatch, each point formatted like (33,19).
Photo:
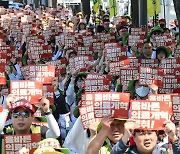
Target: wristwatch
(48,113)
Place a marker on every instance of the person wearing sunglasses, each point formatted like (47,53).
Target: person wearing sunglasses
(21,113)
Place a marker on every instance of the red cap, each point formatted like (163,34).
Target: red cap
(162,20)
(24,104)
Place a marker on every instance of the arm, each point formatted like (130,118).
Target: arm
(3,116)
(97,141)
(122,146)
(54,131)
(57,55)
(170,130)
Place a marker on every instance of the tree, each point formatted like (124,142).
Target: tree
(86,8)
(135,13)
(177,10)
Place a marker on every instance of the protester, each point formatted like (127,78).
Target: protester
(112,130)
(21,112)
(123,66)
(145,140)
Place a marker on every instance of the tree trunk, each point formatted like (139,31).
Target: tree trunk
(177,10)
(135,13)
(86,8)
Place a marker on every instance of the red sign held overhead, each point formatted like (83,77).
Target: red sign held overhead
(96,105)
(14,143)
(2,75)
(150,115)
(25,89)
(114,67)
(98,82)
(176,107)
(80,63)
(148,76)
(49,93)
(1,107)
(42,73)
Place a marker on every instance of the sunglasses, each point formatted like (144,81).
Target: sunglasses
(23,114)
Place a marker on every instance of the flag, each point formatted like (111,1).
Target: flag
(153,6)
(96,5)
(113,8)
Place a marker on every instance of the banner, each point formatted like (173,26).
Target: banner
(96,5)
(113,8)
(153,6)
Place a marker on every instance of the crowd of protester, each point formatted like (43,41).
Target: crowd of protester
(64,127)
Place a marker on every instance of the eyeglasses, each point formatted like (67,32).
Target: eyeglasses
(23,114)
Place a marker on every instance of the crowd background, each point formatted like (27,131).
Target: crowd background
(68,36)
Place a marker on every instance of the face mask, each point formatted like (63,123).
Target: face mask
(162,25)
(142,91)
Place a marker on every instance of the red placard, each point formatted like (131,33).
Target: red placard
(1,107)
(29,90)
(98,47)
(84,50)
(60,65)
(87,40)
(80,63)
(165,40)
(134,40)
(14,143)
(3,56)
(49,93)
(153,63)
(176,107)
(176,53)
(109,103)
(42,73)
(148,76)
(114,67)
(98,82)
(160,97)
(138,31)
(115,54)
(40,52)
(128,74)
(106,37)
(2,75)
(150,115)
(171,84)
(66,39)
(87,115)
(170,65)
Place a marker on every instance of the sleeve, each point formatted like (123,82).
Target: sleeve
(70,94)
(57,55)
(120,147)
(44,129)
(176,147)
(19,73)
(3,116)
(53,131)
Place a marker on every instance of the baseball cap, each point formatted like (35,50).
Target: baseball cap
(23,104)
